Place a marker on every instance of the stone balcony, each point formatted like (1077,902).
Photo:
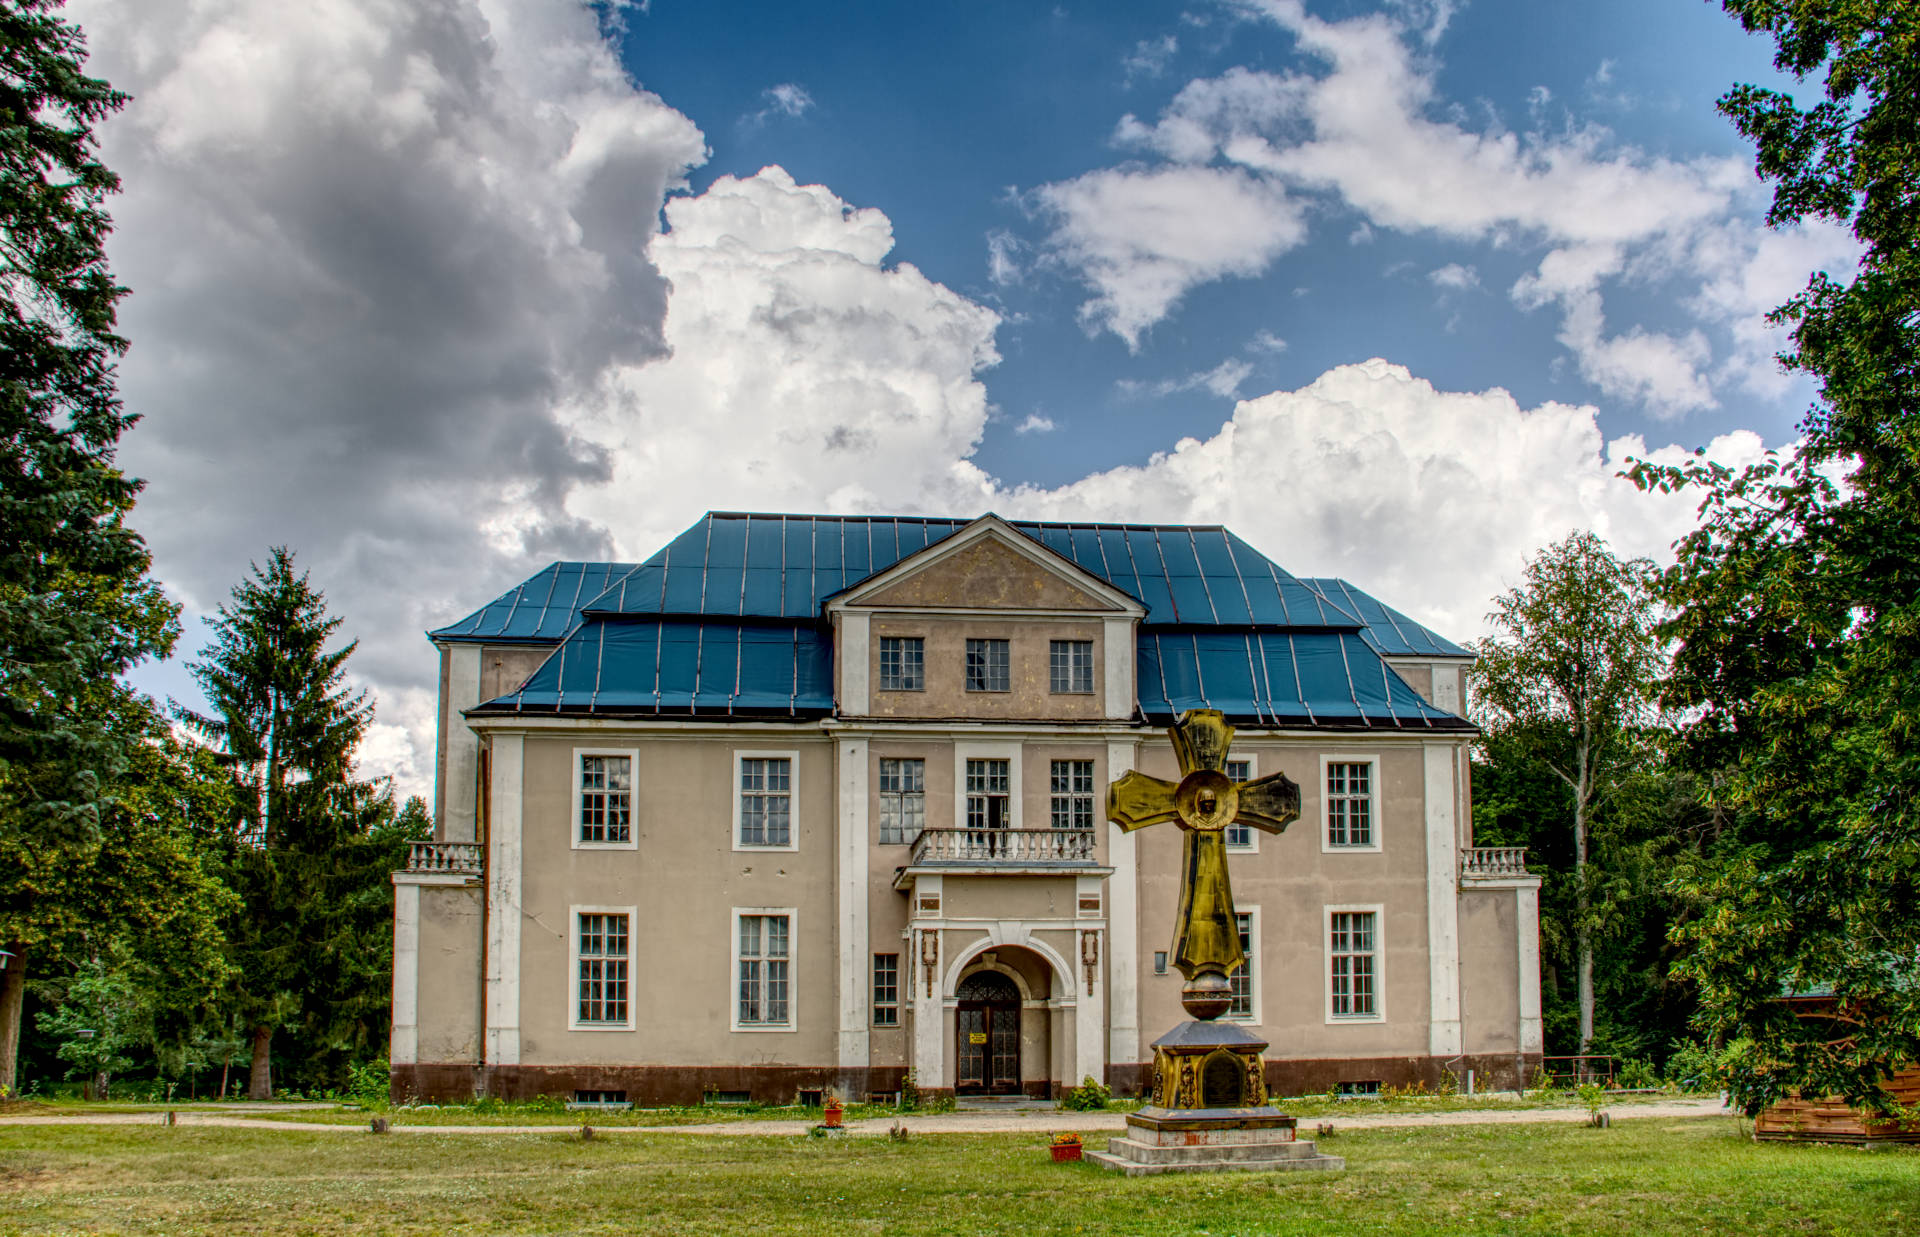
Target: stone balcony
(1493,863)
(1003,852)
(443,859)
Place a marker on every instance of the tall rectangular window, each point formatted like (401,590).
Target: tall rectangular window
(1243,979)
(987,666)
(1351,954)
(989,794)
(1350,804)
(886,990)
(903,664)
(903,799)
(1070,667)
(1240,837)
(766,801)
(764,953)
(606,798)
(1073,794)
(603,968)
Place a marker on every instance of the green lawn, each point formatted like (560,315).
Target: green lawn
(1639,1177)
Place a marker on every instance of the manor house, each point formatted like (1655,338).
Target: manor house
(805,802)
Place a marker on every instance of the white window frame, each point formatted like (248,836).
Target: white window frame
(573,964)
(1016,785)
(1252,846)
(1379,913)
(633,799)
(793,799)
(879,662)
(1253,972)
(1377,825)
(792,1023)
(1092,795)
(967,684)
(1093,660)
(898,1005)
(880,800)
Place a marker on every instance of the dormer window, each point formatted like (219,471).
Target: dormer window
(903,664)
(987,666)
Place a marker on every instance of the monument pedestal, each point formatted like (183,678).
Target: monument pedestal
(1210,1112)
(1211,1140)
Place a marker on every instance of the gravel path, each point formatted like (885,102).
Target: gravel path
(943,1123)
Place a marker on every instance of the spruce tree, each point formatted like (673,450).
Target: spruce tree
(288,723)
(76,605)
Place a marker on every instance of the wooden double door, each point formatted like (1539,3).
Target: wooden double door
(987,1018)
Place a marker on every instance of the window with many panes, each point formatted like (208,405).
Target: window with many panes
(1240,837)
(903,664)
(603,968)
(1350,803)
(1352,953)
(989,794)
(903,799)
(1073,794)
(886,990)
(606,799)
(1244,980)
(766,801)
(764,955)
(1070,667)
(987,666)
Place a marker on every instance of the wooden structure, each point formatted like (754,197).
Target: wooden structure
(1833,1120)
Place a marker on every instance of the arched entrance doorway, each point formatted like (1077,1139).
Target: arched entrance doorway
(988,1021)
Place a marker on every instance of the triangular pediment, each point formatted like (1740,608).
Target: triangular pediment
(988,565)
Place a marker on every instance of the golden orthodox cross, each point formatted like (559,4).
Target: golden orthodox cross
(1205,801)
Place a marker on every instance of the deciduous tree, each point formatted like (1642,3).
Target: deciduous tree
(1566,681)
(1797,600)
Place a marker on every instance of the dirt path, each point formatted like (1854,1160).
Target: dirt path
(944,1123)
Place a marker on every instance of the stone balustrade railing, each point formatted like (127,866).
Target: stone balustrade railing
(1008,846)
(1493,862)
(462,858)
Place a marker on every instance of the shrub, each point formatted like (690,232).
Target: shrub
(1694,1067)
(1089,1096)
(369,1080)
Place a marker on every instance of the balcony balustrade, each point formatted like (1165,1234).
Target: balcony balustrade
(452,858)
(1012,847)
(1493,862)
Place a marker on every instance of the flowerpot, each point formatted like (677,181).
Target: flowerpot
(1062,1154)
(833,1117)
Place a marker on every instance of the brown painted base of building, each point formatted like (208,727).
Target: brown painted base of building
(650,1086)
(1491,1072)
(661,1085)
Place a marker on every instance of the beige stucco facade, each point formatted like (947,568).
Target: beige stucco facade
(489,925)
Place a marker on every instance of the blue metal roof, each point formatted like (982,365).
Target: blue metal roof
(541,609)
(642,666)
(787,566)
(1271,678)
(1388,630)
(726,620)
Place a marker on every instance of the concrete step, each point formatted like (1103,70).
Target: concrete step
(1318,1163)
(1137,1152)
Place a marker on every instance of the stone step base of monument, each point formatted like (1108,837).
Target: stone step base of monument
(1211,1140)
(1137,1159)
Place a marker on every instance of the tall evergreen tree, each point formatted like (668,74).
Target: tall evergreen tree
(288,723)
(1797,601)
(1567,682)
(76,606)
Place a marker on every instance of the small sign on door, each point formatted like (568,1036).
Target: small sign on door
(976,1037)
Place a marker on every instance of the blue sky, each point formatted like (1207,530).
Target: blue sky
(945,116)
(437,293)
